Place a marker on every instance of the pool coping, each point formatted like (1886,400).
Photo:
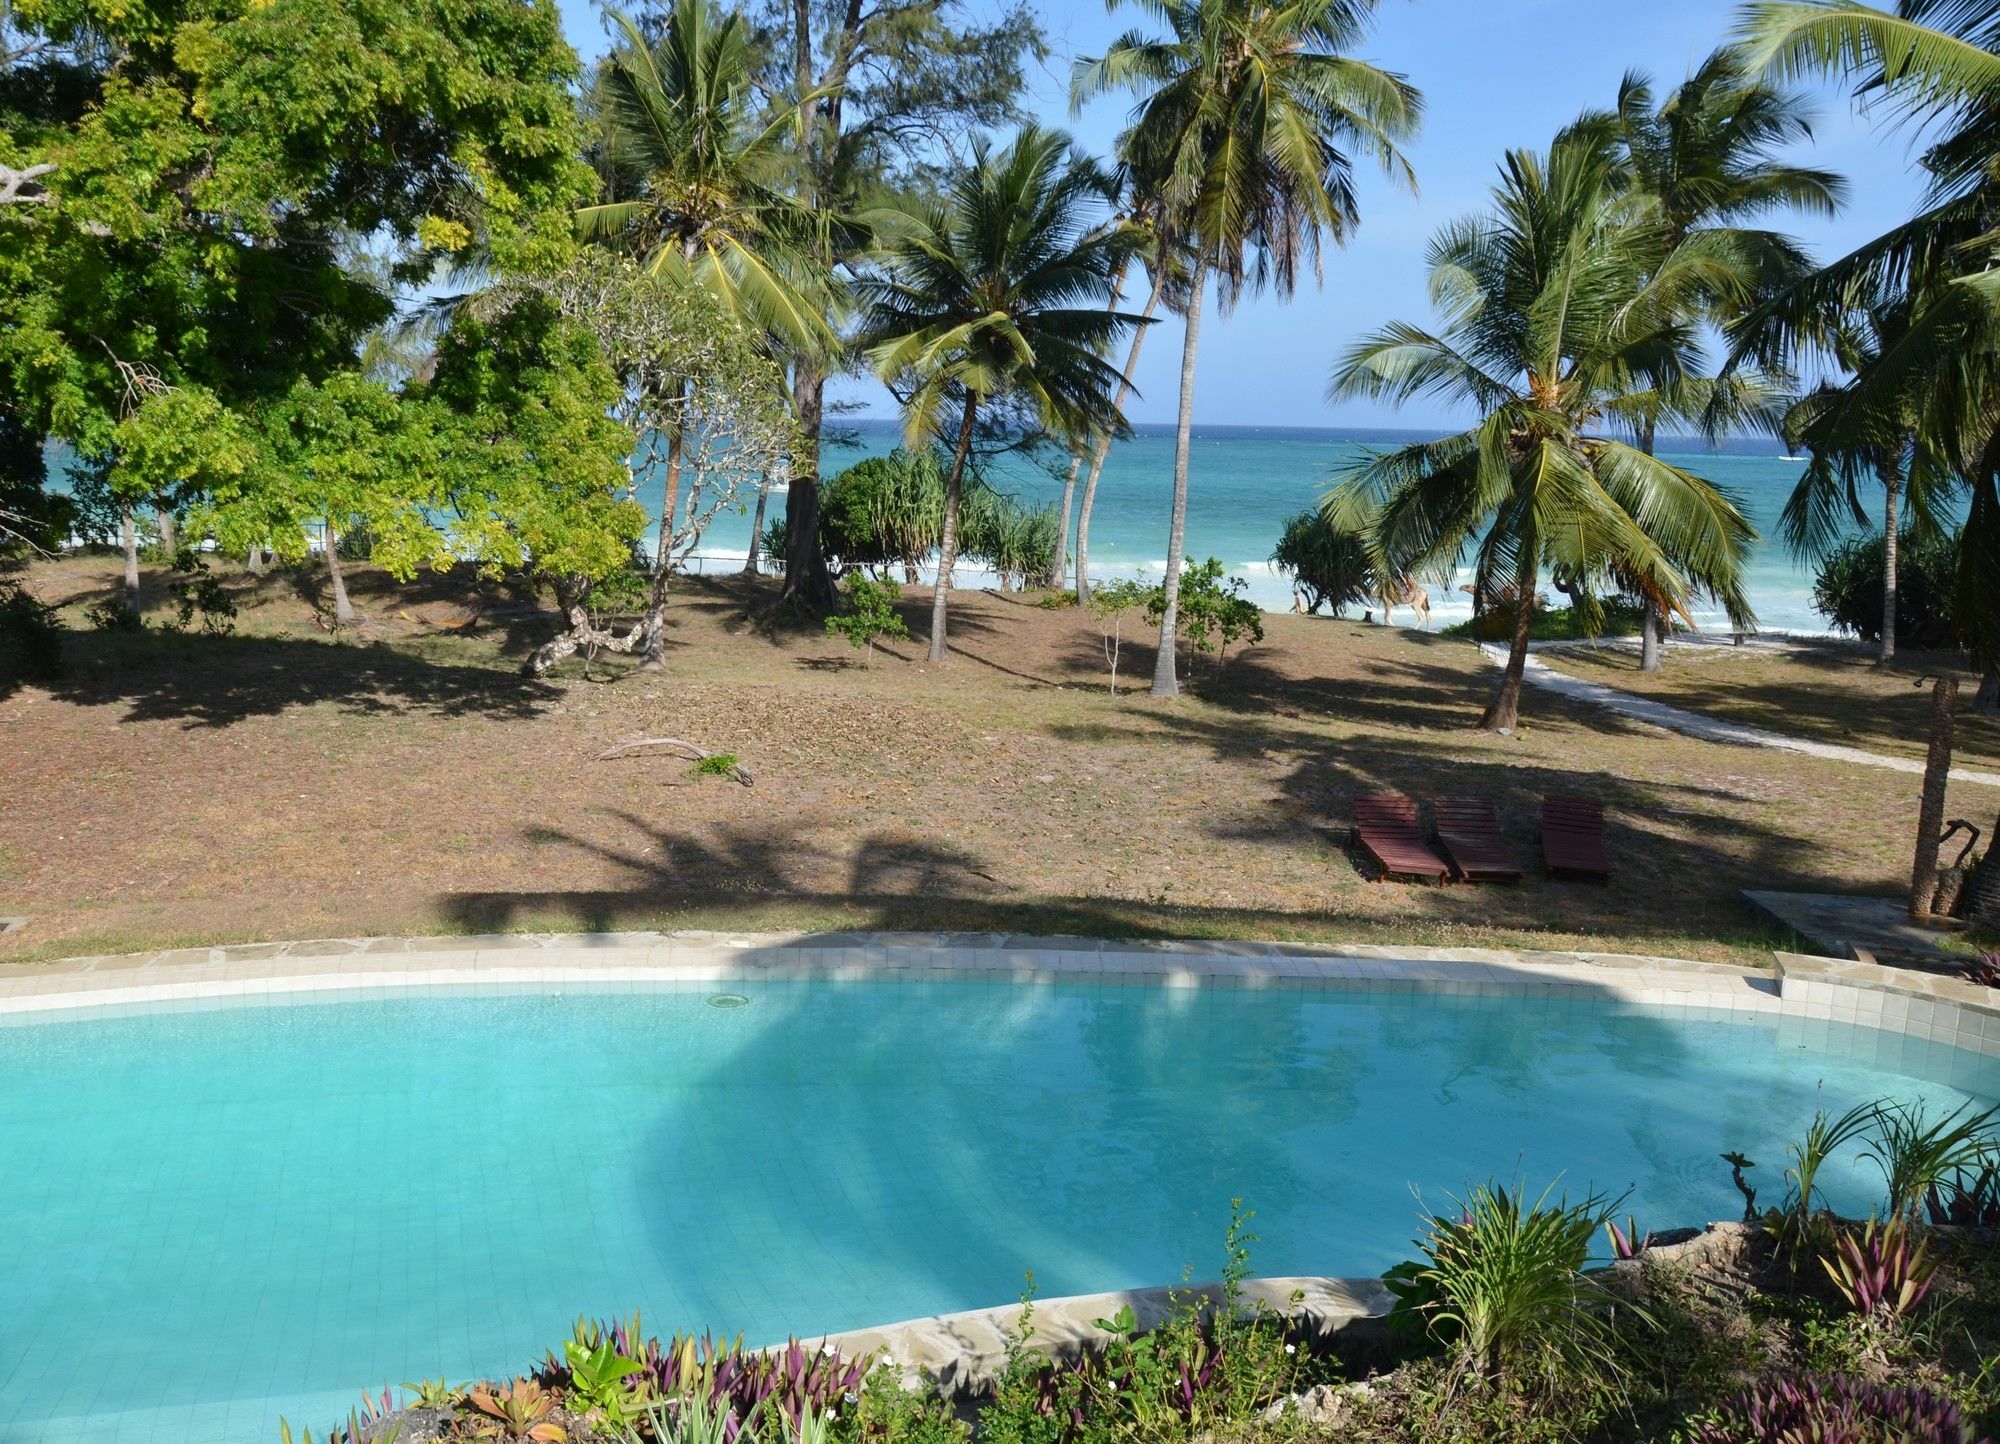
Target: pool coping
(1916,1005)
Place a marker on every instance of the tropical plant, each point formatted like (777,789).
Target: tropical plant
(598,1377)
(1883,1272)
(871,613)
(999,291)
(692,1419)
(1328,564)
(1937,63)
(1968,1199)
(1916,1152)
(1501,1288)
(1834,1410)
(438,1393)
(516,1413)
(1706,156)
(1627,1242)
(1243,109)
(1110,604)
(1018,541)
(1804,1228)
(1565,308)
(885,509)
(1214,611)
(1849,581)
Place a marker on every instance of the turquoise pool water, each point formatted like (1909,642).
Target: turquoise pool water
(212,1218)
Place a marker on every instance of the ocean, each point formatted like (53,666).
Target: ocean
(1245,482)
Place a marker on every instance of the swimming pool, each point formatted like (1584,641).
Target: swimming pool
(211,1218)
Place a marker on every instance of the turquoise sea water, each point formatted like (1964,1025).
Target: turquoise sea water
(1245,482)
(212,1218)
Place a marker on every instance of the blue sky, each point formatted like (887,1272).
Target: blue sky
(1495,74)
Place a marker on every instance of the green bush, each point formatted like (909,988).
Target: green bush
(1016,541)
(1847,590)
(871,613)
(1328,566)
(1214,613)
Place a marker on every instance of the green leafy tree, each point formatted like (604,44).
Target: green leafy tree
(533,465)
(1564,308)
(182,185)
(339,461)
(882,94)
(977,301)
(1243,111)
(1707,155)
(885,509)
(1328,564)
(1111,604)
(1214,612)
(871,613)
(172,439)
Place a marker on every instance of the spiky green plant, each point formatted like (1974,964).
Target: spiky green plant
(1916,1152)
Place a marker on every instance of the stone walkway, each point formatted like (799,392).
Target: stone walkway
(1711,729)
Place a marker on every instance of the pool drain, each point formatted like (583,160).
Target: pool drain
(727,1000)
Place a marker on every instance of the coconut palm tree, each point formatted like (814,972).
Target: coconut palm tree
(1706,155)
(1565,317)
(1938,62)
(1000,291)
(1243,109)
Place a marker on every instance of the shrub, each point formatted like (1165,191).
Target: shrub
(1802,1229)
(1501,1289)
(1848,589)
(114,615)
(889,1413)
(1213,610)
(884,509)
(1109,602)
(1017,541)
(31,648)
(1883,1273)
(1838,1410)
(871,613)
(199,597)
(738,1384)
(1966,1199)
(518,1413)
(1916,1154)
(1328,566)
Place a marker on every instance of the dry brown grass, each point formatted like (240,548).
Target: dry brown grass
(282,783)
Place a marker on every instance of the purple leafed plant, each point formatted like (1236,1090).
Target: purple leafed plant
(1627,1242)
(1836,1410)
(1984,970)
(1969,1200)
(1882,1272)
(789,1382)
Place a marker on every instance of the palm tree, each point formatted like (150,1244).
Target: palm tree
(1002,290)
(1938,61)
(1564,310)
(1705,154)
(1243,110)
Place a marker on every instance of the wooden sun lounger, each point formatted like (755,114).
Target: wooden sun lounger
(1386,828)
(1573,838)
(1468,831)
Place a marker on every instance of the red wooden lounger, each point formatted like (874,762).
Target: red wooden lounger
(1573,838)
(1468,830)
(1386,827)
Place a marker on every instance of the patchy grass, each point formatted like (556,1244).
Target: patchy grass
(403,777)
(1828,691)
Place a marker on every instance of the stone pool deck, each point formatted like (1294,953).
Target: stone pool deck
(1912,1005)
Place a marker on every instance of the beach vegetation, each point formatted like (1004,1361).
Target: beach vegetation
(1110,603)
(1849,582)
(871,612)
(1214,612)
(1328,564)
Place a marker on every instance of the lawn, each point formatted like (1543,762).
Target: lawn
(403,777)
(1829,691)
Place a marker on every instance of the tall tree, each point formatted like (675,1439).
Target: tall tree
(1707,154)
(180,184)
(698,170)
(999,292)
(1564,309)
(1244,108)
(1937,62)
(882,94)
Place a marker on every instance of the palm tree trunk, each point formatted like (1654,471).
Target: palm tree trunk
(128,538)
(1890,470)
(1937,779)
(1504,714)
(1653,625)
(343,609)
(1059,571)
(808,581)
(1986,701)
(750,568)
(663,561)
(1165,682)
(948,540)
(1103,446)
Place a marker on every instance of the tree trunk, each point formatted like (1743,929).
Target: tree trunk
(1653,625)
(1103,446)
(1059,572)
(1986,703)
(808,582)
(948,542)
(750,567)
(1165,681)
(1937,778)
(343,609)
(163,517)
(655,625)
(1504,714)
(1890,469)
(254,561)
(128,537)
